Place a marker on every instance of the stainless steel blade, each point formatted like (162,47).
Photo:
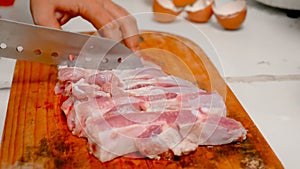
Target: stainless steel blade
(56,47)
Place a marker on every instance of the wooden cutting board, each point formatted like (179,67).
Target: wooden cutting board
(36,134)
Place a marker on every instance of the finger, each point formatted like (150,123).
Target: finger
(47,19)
(62,18)
(53,13)
(127,23)
(101,19)
(59,15)
(112,31)
(130,32)
(44,16)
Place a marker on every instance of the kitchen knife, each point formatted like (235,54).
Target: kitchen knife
(57,47)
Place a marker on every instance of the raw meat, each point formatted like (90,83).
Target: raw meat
(143,111)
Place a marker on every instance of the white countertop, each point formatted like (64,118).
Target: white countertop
(260,62)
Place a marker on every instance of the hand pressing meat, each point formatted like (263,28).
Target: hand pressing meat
(143,111)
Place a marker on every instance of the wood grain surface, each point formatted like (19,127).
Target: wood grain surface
(36,134)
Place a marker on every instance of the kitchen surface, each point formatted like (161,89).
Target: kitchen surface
(260,63)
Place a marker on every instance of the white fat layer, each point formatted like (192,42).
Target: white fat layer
(156,157)
(198,5)
(195,112)
(184,147)
(78,90)
(231,8)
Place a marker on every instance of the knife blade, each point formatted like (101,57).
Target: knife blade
(23,41)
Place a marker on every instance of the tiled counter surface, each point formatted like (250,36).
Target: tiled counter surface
(260,62)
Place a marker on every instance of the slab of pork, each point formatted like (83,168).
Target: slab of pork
(143,110)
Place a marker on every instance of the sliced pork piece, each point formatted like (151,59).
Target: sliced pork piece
(153,133)
(144,74)
(143,110)
(72,74)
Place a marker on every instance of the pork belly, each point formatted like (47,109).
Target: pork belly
(143,111)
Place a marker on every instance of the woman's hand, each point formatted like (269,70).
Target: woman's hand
(110,19)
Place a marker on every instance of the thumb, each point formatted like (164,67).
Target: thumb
(44,16)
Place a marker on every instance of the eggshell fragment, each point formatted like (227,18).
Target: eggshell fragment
(232,15)
(200,11)
(182,3)
(165,11)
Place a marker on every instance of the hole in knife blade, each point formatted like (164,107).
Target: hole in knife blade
(37,52)
(20,49)
(54,54)
(71,57)
(119,59)
(3,45)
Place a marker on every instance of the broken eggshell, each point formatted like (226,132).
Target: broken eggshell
(200,11)
(182,3)
(165,11)
(232,15)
